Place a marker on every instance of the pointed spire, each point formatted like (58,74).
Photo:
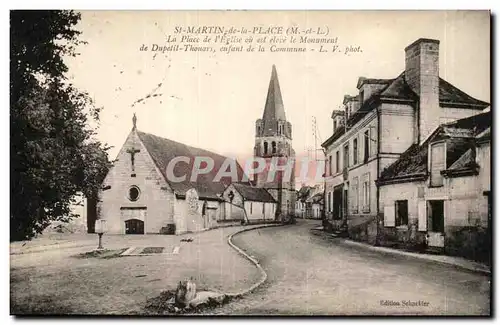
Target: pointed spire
(274,109)
(134,122)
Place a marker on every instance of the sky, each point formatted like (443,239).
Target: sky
(213,100)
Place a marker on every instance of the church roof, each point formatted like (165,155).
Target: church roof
(251,193)
(163,150)
(274,109)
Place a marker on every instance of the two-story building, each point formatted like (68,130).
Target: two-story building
(300,201)
(377,126)
(436,196)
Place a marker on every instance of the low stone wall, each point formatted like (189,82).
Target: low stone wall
(228,223)
(261,222)
(470,242)
(405,237)
(362,228)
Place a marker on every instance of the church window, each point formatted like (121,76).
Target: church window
(281,129)
(274,146)
(133,193)
(265,148)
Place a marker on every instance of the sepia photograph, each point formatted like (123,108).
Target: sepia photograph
(242,163)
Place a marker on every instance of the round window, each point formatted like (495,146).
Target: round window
(133,193)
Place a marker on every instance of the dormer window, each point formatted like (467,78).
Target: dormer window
(335,124)
(361,96)
(437,164)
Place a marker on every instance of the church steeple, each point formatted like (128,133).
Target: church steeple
(273,142)
(273,122)
(274,109)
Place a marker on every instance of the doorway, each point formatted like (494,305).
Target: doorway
(134,227)
(435,220)
(345,211)
(337,203)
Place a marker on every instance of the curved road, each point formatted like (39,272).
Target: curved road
(312,275)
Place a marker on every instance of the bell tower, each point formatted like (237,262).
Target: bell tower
(273,143)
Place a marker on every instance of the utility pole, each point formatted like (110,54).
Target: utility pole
(315,138)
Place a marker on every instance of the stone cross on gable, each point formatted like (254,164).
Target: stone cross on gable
(132,151)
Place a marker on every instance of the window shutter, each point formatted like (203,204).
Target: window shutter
(437,163)
(422,216)
(331,201)
(368,188)
(389,217)
(373,143)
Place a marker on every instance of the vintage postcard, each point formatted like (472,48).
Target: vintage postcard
(250,163)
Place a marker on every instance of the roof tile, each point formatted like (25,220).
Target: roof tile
(163,150)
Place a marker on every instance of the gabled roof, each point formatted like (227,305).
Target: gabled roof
(450,95)
(337,112)
(251,193)
(485,135)
(303,193)
(317,198)
(413,162)
(398,89)
(348,98)
(363,80)
(163,150)
(477,123)
(465,161)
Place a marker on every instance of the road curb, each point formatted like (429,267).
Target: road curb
(480,270)
(263,277)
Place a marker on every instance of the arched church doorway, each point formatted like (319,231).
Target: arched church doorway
(134,227)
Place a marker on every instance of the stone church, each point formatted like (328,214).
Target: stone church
(137,197)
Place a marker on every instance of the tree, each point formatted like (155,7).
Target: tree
(54,154)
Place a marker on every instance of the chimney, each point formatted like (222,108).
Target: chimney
(422,75)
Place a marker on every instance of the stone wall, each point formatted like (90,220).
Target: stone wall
(259,210)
